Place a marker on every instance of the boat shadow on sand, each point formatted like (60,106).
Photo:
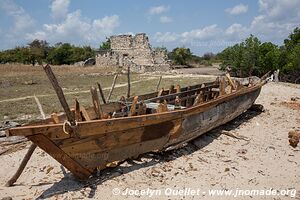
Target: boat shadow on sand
(69,183)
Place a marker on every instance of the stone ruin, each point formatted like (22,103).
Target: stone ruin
(134,51)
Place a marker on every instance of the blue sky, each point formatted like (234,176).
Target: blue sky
(202,25)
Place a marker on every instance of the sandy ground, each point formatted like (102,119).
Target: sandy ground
(262,160)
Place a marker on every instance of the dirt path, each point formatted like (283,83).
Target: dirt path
(212,161)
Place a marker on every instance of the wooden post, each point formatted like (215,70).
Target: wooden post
(101,93)
(60,94)
(133,106)
(158,83)
(22,166)
(222,86)
(112,87)
(29,153)
(96,103)
(230,81)
(128,79)
(177,88)
(77,111)
(171,89)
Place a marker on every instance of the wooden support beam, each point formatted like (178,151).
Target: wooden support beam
(198,99)
(180,94)
(222,86)
(177,88)
(101,93)
(96,103)
(128,81)
(112,87)
(133,106)
(85,114)
(162,107)
(29,153)
(158,83)
(60,94)
(177,103)
(230,81)
(142,108)
(77,111)
(172,89)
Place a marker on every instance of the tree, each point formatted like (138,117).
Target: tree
(180,56)
(39,50)
(106,45)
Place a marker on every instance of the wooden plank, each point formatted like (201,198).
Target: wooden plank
(112,87)
(48,146)
(96,103)
(158,83)
(128,81)
(101,93)
(95,127)
(162,107)
(101,159)
(181,94)
(230,81)
(171,90)
(78,117)
(85,114)
(133,106)
(60,94)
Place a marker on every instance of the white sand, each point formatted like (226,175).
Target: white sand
(213,161)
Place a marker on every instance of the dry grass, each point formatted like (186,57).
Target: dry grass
(16,100)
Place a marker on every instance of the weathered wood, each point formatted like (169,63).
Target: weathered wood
(101,93)
(77,111)
(162,107)
(178,89)
(230,81)
(55,118)
(133,106)
(171,90)
(29,153)
(199,98)
(158,83)
(142,108)
(112,87)
(48,146)
(22,165)
(96,103)
(105,141)
(60,94)
(222,86)
(128,81)
(85,114)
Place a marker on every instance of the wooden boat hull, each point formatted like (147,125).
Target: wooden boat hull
(100,142)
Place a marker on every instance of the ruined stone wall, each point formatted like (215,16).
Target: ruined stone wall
(134,51)
(120,42)
(160,56)
(107,60)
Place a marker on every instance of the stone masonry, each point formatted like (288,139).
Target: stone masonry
(134,51)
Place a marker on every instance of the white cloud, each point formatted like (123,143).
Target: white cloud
(77,29)
(158,10)
(165,19)
(166,37)
(205,33)
(277,18)
(237,10)
(236,32)
(59,8)
(22,20)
